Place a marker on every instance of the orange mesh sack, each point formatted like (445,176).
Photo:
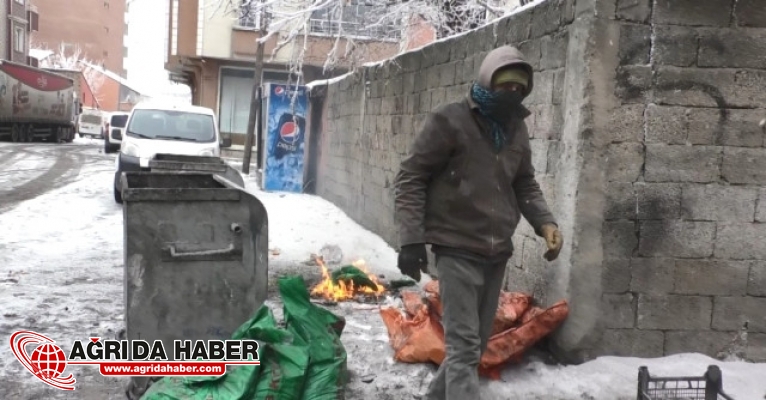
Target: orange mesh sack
(416,339)
(510,345)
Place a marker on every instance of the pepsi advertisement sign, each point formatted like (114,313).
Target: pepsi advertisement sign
(285,138)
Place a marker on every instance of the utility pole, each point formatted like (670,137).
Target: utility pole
(255,100)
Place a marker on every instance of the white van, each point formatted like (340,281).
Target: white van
(161,128)
(115,129)
(91,123)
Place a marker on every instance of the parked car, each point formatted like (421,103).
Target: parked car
(115,128)
(91,123)
(159,128)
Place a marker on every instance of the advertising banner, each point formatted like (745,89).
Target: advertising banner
(284,137)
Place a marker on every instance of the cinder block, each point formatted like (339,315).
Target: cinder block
(760,212)
(627,123)
(625,162)
(634,10)
(658,200)
(652,276)
(615,277)
(620,201)
(532,51)
(733,48)
(559,77)
(693,12)
(619,310)
(705,342)
(554,51)
(741,241)
(718,203)
(635,44)
(631,343)
(685,239)
(756,347)
(731,313)
(668,125)
(693,87)
(542,92)
(742,165)
(447,74)
(682,163)
(620,239)
(675,45)
(674,312)
(711,277)
(548,121)
(546,18)
(750,13)
(633,83)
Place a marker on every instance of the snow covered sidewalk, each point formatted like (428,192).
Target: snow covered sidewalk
(61,274)
(301,224)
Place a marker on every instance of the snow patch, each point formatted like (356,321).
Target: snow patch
(328,82)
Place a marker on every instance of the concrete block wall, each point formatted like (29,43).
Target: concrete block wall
(684,269)
(646,142)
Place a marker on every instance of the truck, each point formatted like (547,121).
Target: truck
(36,104)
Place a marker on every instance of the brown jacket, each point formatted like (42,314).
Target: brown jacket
(454,189)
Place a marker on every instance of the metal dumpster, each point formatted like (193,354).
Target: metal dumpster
(196,261)
(192,164)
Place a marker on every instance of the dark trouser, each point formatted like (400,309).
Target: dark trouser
(469,291)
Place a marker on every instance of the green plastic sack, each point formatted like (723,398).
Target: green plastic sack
(355,275)
(304,361)
(246,382)
(327,374)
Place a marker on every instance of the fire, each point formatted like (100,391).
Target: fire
(345,290)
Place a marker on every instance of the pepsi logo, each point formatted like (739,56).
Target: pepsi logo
(279,90)
(289,132)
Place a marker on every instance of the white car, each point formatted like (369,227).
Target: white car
(160,128)
(115,129)
(91,123)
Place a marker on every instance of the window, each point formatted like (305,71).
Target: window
(250,15)
(236,92)
(171,125)
(118,121)
(19,44)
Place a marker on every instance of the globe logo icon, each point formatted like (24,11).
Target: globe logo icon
(48,360)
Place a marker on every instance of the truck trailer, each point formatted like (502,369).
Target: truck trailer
(36,104)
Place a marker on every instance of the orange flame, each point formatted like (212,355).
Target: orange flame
(344,290)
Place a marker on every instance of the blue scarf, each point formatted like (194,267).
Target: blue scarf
(486,101)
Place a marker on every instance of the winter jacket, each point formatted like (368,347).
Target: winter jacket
(455,190)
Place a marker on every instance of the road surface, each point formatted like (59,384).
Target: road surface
(60,252)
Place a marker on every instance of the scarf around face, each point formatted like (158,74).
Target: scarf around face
(497,108)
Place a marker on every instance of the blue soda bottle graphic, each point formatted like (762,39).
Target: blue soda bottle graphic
(290,129)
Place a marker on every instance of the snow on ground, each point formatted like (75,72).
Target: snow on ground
(61,274)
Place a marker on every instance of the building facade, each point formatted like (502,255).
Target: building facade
(95,27)
(19,20)
(214,53)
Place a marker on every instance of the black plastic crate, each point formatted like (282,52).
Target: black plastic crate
(706,387)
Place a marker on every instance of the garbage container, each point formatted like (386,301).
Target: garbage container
(191,164)
(196,264)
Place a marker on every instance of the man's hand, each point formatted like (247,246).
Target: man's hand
(413,258)
(553,239)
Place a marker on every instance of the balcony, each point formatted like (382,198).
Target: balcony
(354,30)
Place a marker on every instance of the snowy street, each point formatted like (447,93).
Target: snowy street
(61,274)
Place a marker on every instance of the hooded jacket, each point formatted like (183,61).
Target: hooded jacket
(455,191)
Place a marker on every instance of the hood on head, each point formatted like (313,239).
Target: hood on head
(503,57)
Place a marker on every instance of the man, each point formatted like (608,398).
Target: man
(463,188)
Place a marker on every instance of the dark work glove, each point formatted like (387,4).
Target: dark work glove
(413,259)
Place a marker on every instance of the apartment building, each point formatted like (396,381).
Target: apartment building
(214,52)
(19,20)
(96,27)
